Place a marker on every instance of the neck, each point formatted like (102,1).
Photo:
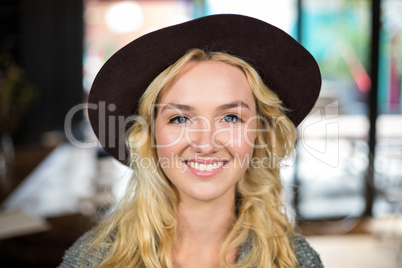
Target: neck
(202,230)
(205,222)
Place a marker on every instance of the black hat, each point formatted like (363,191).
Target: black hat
(285,66)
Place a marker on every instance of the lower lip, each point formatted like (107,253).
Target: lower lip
(205,174)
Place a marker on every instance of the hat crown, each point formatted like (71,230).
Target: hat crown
(285,66)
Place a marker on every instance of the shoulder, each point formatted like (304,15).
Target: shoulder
(78,255)
(305,254)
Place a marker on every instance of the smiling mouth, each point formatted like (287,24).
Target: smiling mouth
(205,167)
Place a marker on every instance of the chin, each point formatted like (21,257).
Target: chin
(211,195)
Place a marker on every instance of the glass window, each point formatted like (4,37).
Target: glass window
(332,150)
(388,157)
(282,14)
(332,147)
(109,25)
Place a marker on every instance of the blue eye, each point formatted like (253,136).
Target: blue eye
(231,118)
(181,119)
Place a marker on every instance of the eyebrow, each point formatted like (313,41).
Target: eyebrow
(231,105)
(180,107)
(223,107)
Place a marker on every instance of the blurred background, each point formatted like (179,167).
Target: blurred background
(344,182)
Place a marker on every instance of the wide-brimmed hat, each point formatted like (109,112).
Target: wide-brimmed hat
(285,66)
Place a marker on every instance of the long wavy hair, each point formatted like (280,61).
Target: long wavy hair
(143,226)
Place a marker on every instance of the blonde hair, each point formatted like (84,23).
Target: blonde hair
(144,223)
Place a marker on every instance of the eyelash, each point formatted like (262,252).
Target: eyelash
(237,119)
(175,120)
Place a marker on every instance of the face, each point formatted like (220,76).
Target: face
(205,130)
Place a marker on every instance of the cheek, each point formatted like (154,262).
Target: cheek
(169,142)
(246,145)
(243,137)
(235,137)
(238,141)
(245,141)
(166,135)
(167,138)
(243,150)
(168,151)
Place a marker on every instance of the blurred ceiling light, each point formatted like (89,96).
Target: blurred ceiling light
(124,17)
(280,13)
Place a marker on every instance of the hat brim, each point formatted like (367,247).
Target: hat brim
(284,65)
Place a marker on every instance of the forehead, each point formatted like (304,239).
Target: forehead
(208,83)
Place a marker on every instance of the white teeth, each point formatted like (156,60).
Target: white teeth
(205,167)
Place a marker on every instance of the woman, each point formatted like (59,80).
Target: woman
(192,100)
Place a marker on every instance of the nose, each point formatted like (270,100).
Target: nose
(200,138)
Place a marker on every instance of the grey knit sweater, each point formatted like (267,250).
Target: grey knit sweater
(73,257)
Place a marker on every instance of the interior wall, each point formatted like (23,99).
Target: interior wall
(51,47)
